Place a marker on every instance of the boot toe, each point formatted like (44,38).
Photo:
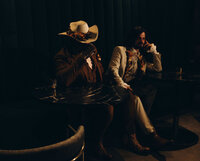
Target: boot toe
(157,141)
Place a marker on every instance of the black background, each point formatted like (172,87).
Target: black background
(28,30)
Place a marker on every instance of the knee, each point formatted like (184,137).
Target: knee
(137,100)
(134,98)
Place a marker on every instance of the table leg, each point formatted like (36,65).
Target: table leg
(175,125)
(176,112)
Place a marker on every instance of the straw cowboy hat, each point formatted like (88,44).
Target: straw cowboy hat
(80,31)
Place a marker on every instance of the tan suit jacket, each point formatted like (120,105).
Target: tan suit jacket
(118,63)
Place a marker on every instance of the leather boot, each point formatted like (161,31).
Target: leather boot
(131,142)
(156,141)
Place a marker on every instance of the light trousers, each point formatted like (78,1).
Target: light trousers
(141,116)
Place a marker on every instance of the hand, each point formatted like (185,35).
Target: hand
(129,89)
(143,68)
(147,46)
(88,50)
(126,86)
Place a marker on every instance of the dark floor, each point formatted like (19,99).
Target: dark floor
(190,121)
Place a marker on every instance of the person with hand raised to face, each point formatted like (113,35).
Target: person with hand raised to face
(78,64)
(128,64)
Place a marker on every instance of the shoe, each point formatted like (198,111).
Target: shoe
(133,144)
(156,141)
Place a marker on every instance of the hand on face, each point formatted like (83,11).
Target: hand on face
(141,42)
(89,50)
(146,46)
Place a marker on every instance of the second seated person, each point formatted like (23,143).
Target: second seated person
(127,65)
(131,61)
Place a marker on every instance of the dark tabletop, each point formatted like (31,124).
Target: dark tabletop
(95,94)
(176,77)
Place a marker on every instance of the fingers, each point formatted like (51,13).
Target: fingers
(146,42)
(147,46)
(130,89)
(89,50)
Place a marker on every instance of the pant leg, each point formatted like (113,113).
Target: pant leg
(141,116)
(132,111)
(146,92)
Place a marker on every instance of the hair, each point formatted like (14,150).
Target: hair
(132,36)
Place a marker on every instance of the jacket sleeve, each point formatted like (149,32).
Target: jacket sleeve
(156,65)
(67,67)
(114,66)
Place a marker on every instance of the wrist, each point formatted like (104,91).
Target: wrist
(152,49)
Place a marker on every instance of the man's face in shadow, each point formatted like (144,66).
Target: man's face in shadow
(140,40)
(74,46)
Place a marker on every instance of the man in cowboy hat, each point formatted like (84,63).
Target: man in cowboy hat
(78,64)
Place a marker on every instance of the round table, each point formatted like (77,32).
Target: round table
(93,94)
(175,77)
(80,98)
(181,136)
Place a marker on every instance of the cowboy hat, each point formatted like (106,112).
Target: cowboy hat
(80,31)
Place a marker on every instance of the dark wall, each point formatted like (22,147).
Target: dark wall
(28,31)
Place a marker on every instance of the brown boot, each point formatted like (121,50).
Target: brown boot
(156,141)
(133,144)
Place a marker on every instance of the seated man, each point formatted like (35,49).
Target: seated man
(78,64)
(130,62)
(127,64)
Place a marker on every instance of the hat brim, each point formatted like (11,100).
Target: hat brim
(93,31)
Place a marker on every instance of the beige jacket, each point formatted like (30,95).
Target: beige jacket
(118,63)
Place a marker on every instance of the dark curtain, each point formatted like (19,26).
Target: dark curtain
(28,32)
